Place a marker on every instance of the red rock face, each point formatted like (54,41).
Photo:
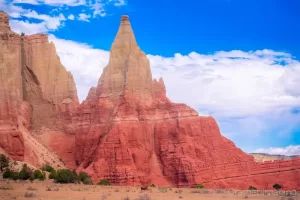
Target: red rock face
(129,132)
(36,94)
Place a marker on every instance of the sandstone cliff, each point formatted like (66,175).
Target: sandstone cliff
(36,92)
(129,132)
(126,130)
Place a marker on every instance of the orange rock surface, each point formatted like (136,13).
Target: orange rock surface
(126,130)
(36,93)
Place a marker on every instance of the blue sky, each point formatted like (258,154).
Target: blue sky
(237,60)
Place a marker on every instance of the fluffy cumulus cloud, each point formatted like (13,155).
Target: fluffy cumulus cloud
(249,93)
(30,20)
(289,151)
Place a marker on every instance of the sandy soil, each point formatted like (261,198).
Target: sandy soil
(48,190)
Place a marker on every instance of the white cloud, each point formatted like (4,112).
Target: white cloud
(99,8)
(52,23)
(288,151)
(84,17)
(71,17)
(27,27)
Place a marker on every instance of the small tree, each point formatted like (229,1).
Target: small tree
(4,162)
(25,172)
(22,34)
(277,186)
(104,182)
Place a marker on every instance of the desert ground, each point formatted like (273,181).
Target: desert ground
(47,190)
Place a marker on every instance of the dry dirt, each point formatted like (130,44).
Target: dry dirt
(47,190)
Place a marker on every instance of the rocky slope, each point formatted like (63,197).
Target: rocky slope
(127,130)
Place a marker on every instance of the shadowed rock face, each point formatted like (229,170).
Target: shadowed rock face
(126,130)
(129,132)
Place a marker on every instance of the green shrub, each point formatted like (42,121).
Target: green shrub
(52,175)
(65,176)
(7,174)
(87,181)
(152,185)
(277,186)
(37,174)
(82,176)
(25,172)
(104,182)
(14,175)
(252,188)
(4,162)
(47,168)
(199,186)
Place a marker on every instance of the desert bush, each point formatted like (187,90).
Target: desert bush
(7,174)
(25,172)
(144,197)
(47,168)
(65,176)
(152,185)
(82,176)
(87,181)
(52,174)
(37,174)
(4,162)
(14,175)
(276,186)
(252,188)
(29,195)
(104,182)
(200,186)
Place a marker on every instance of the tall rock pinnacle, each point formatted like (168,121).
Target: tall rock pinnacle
(128,70)
(4,24)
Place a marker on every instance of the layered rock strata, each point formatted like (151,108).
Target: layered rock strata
(129,132)
(126,130)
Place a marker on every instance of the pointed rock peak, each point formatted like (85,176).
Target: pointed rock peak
(125,19)
(4,21)
(125,38)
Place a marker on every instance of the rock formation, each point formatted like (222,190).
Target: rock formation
(126,130)
(36,92)
(129,132)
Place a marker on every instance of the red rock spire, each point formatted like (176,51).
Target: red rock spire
(128,68)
